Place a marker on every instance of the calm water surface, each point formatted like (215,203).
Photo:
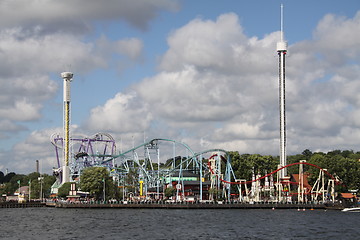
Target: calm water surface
(54,223)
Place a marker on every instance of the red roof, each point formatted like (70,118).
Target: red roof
(307,186)
(347,195)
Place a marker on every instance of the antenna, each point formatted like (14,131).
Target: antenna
(281,23)
(282,44)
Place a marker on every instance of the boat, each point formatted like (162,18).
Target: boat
(351,209)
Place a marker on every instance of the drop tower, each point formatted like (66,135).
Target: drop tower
(67,76)
(281,48)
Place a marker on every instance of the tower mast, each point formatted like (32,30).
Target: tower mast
(281,50)
(67,76)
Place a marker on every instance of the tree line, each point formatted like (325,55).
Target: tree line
(343,164)
(39,183)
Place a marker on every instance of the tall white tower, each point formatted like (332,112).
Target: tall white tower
(282,49)
(67,76)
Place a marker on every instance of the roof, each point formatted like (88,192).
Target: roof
(23,189)
(189,174)
(307,186)
(347,195)
(186,183)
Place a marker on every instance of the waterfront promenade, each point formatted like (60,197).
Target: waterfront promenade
(189,205)
(164,205)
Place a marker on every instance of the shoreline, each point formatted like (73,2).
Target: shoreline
(191,205)
(22,205)
(154,205)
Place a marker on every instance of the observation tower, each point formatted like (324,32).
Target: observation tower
(67,76)
(282,49)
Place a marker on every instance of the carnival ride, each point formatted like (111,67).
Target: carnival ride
(85,152)
(142,173)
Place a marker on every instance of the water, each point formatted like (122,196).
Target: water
(55,223)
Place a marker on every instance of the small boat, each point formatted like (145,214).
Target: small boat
(351,209)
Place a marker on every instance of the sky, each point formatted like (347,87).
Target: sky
(201,72)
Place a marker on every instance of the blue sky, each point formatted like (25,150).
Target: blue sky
(192,71)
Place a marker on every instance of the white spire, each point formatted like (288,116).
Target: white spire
(282,45)
(281,23)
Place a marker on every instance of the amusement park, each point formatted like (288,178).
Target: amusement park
(169,170)
(181,175)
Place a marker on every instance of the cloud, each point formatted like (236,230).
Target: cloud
(201,43)
(130,47)
(124,113)
(65,15)
(36,146)
(213,73)
(339,34)
(38,54)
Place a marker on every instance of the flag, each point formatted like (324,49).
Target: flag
(18,181)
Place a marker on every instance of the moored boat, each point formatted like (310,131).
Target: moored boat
(351,209)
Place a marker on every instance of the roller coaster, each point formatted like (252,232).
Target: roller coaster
(143,174)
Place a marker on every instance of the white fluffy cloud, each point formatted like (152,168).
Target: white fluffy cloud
(123,113)
(212,72)
(35,147)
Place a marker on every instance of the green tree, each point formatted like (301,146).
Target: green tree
(1,177)
(9,176)
(48,182)
(92,181)
(307,154)
(169,192)
(64,189)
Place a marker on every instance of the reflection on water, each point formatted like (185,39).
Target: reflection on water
(55,223)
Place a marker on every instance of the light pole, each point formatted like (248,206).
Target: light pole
(29,190)
(19,186)
(41,188)
(104,189)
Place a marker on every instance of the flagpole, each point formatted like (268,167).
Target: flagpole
(19,187)
(29,190)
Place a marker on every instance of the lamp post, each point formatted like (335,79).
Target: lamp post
(29,190)
(104,189)
(19,186)
(41,188)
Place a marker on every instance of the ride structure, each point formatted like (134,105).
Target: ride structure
(145,172)
(282,50)
(84,152)
(141,171)
(67,76)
